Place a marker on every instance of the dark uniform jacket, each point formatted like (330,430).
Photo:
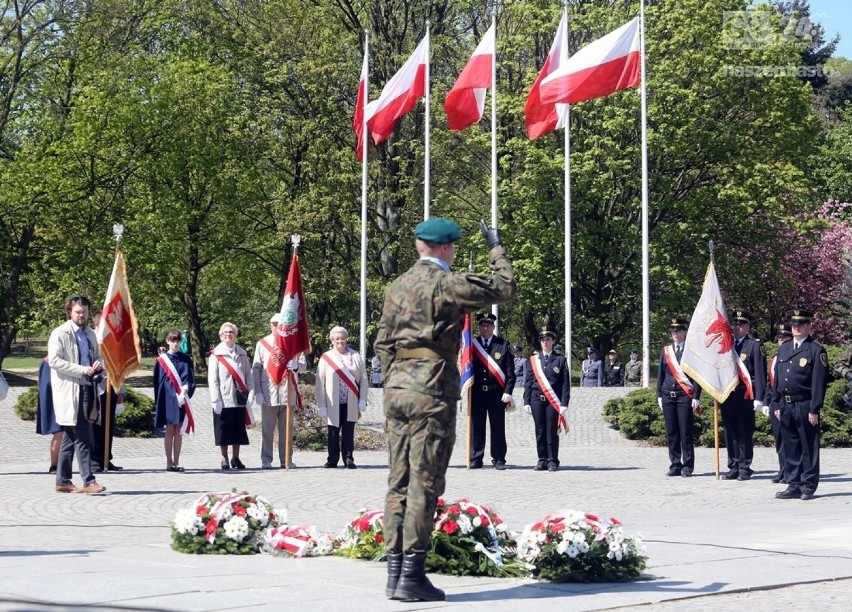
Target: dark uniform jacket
(613,374)
(424,309)
(557,374)
(666,383)
(499,350)
(754,358)
(801,374)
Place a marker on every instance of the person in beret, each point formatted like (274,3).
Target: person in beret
(547,392)
(783,333)
(678,396)
(491,393)
(593,369)
(613,370)
(558,349)
(418,342)
(799,390)
(738,410)
(633,370)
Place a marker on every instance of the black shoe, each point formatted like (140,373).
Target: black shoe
(675,471)
(744,476)
(499,465)
(789,493)
(552,467)
(476,464)
(686,472)
(540,466)
(777,478)
(97,468)
(329,464)
(237,464)
(732,475)
(413,584)
(350,465)
(51,469)
(394,570)
(115,468)
(225,465)
(806,496)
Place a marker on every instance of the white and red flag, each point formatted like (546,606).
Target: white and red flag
(598,69)
(466,100)
(117,333)
(542,118)
(360,104)
(708,354)
(291,335)
(399,94)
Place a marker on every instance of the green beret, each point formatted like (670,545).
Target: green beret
(438,230)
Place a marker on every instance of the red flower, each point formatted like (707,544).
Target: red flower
(450,527)
(379,538)
(592,517)
(441,502)
(557,527)
(472,511)
(485,521)
(537,527)
(212,526)
(614,520)
(199,510)
(239,511)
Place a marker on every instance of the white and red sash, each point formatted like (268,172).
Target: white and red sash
(746,378)
(188,424)
(276,365)
(241,383)
(489,363)
(772,363)
(344,374)
(547,389)
(677,373)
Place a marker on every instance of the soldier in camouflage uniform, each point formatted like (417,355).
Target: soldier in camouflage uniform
(418,341)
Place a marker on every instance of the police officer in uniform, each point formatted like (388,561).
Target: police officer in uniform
(491,396)
(593,371)
(520,365)
(678,397)
(738,410)
(783,333)
(418,342)
(613,370)
(554,368)
(799,390)
(633,370)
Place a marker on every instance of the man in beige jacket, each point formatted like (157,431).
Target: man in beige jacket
(75,369)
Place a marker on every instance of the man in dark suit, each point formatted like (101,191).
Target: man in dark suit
(613,370)
(493,383)
(783,333)
(738,410)
(678,398)
(547,391)
(799,390)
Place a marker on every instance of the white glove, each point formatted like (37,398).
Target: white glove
(362,405)
(660,402)
(765,410)
(323,411)
(181,396)
(696,406)
(507,399)
(119,408)
(293,365)
(563,411)
(185,389)
(528,408)
(217,406)
(758,405)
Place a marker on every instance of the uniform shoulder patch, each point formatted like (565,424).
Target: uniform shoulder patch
(823,359)
(762,349)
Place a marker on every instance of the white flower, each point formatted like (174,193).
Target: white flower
(572,550)
(562,547)
(477,522)
(258,513)
(237,528)
(226,512)
(464,524)
(186,521)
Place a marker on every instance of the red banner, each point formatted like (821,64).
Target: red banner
(291,335)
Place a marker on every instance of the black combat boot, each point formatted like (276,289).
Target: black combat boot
(413,584)
(394,569)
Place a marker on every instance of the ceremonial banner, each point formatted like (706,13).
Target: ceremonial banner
(360,104)
(291,335)
(466,355)
(466,100)
(117,332)
(598,69)
(399,94)
(542,118)
(708,354)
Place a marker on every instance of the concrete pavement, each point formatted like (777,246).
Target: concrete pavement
(711,544)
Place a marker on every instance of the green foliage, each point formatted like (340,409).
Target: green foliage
(137,420)
(456,556)
(835,417)
(27,405)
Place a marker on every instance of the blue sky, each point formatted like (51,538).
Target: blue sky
(836,17)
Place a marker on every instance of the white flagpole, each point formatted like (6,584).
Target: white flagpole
(567,128)
(426,190)
(362,338)
(646,299)
(494,136)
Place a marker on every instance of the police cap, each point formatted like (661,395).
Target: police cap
(486,317)
(782,330)
(547,331)
(678,323)
(800,315)
(741,316)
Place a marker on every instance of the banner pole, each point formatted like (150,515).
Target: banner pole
(469,435)
(106,422)
(716,433)
(287,425)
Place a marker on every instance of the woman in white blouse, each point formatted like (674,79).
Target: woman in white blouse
(230,382)
(341,396)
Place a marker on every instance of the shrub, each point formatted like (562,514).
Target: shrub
(27,405)
(137,420)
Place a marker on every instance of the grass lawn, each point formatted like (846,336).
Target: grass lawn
(32,361)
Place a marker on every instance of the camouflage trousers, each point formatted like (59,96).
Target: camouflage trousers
(421,432)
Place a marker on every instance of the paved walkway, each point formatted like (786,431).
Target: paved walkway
(717,544)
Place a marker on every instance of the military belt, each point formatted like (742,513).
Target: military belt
(418,353)
(797,398)
(674,393)
(490,387)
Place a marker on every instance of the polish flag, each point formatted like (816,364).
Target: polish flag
(399,95)
(466,100)
(598,69)
(543,118)
(117,332)
(360,103)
